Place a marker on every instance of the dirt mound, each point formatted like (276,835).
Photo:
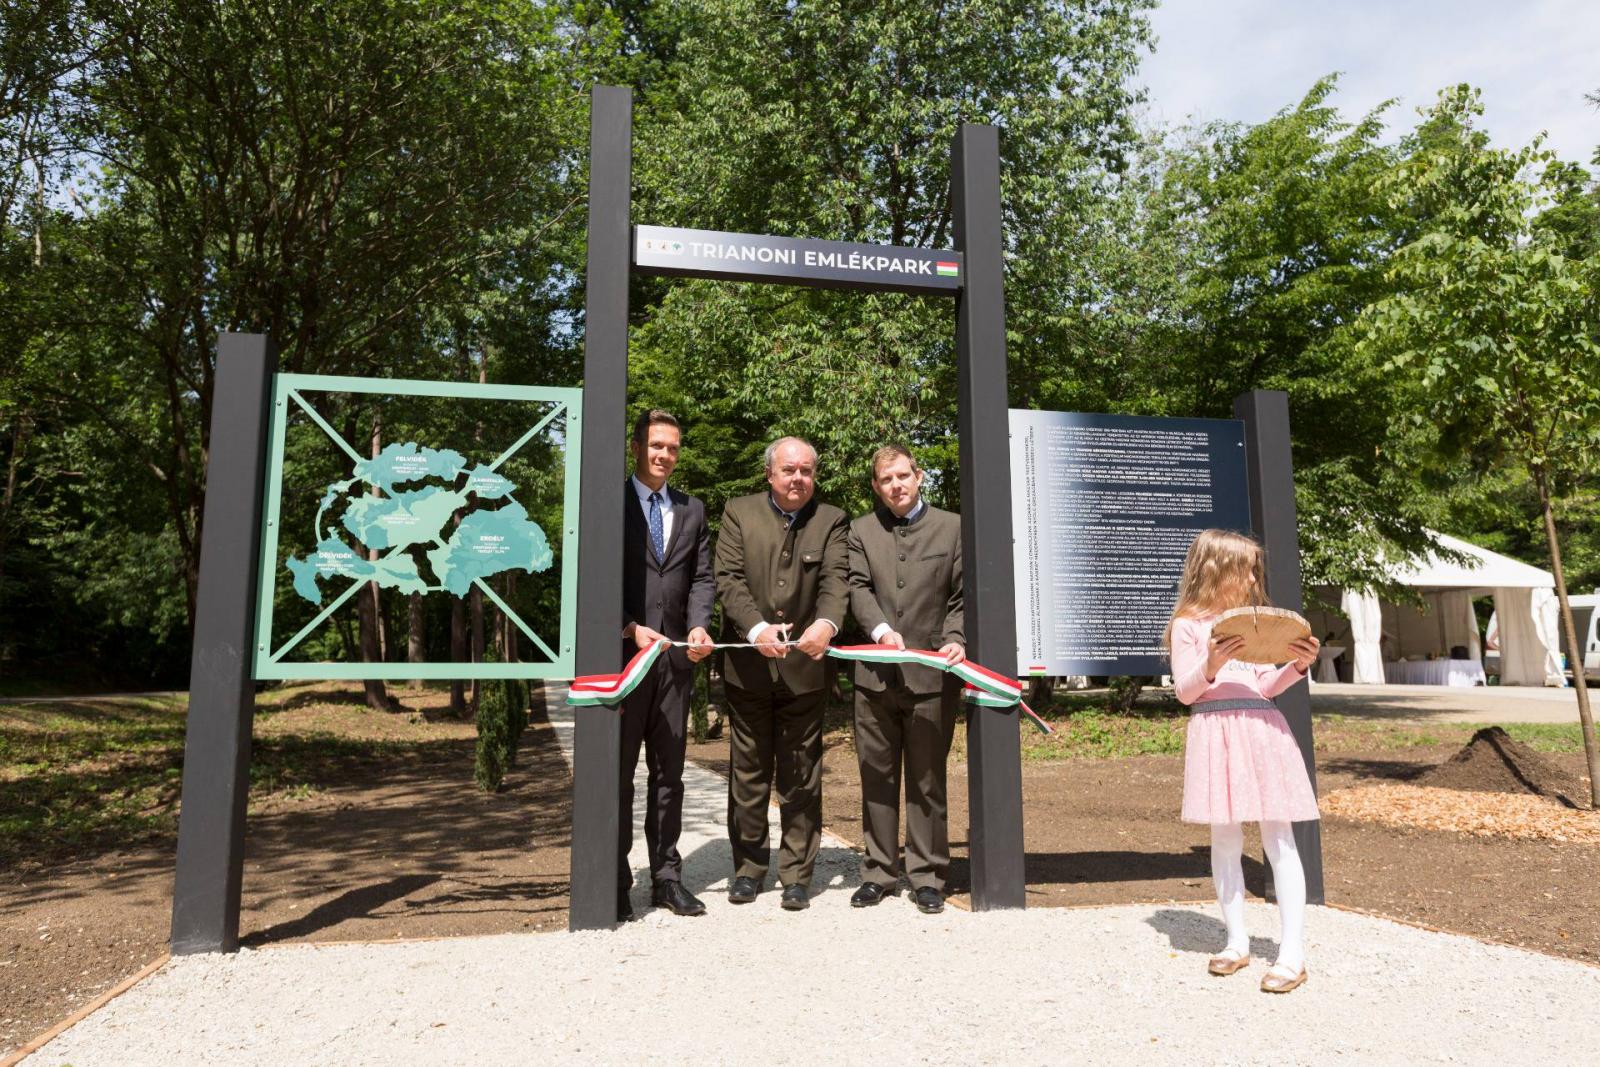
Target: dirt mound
(1494,763)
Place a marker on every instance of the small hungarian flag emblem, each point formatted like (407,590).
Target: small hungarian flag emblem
(947,270)
(1037,668)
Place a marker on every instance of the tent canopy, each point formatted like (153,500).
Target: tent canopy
(1524,604)
(1486,570)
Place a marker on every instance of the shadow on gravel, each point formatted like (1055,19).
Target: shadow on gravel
(1192,931)
(1083,868)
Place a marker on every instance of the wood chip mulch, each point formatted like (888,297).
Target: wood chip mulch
(1483,814)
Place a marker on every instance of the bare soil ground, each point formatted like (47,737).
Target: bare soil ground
(383,839)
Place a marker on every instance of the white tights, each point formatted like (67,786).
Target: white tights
(1288,878)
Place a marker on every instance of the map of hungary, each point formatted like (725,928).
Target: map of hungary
(423,490)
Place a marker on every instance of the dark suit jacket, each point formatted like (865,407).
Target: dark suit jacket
(909,577)
(768,574)
(672,595)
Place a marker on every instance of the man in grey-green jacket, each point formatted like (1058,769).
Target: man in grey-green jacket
(779,566)
(906,592)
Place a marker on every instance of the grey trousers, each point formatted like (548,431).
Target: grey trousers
(775,736)
(904,737)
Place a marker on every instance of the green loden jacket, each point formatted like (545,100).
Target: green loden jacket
(766,572)
(909,576)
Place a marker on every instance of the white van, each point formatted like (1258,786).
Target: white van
(1585,620)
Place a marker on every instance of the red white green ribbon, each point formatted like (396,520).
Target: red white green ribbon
(614,688)
(982,686)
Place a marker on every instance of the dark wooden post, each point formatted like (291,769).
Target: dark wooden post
(1270,469)
(994,760)
(596,755)
(216,751)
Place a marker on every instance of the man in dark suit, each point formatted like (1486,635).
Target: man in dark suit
(667,592)
(781,561)
(905,591)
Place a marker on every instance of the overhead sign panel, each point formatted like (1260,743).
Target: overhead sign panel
(754,257)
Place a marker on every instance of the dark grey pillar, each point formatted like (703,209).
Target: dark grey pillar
(994,761)
(1270,469)
(597,742)
(216,751)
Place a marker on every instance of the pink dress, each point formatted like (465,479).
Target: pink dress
(1241,763)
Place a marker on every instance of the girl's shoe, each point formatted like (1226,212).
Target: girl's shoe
(1222,966)
(1276,981)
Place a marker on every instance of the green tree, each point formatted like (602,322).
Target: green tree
(1494,324)
(386,187)
(834,120)
(1278,236)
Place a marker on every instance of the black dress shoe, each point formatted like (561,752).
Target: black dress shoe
(929,900)
(680,900)
(871,893)
(743,890)
(796,898)
(624,907)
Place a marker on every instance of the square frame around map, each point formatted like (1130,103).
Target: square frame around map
(267,661)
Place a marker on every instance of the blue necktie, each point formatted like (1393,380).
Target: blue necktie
(658,536)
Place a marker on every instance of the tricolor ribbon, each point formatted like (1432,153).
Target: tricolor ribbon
(614,688)
(981,686)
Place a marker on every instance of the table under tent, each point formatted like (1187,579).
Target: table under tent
(1437,641)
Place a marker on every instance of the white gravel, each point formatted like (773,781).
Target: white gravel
(885,984)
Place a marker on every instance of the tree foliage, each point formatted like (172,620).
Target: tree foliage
(395,187)
(1495,321)
(835,120)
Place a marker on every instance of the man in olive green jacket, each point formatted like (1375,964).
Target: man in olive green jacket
(905,591)
(780,566)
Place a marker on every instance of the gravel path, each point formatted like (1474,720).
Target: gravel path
(885,984)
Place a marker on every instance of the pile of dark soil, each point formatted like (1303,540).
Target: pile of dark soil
(1492,762)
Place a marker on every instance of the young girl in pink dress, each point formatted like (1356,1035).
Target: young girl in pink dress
(1241,764)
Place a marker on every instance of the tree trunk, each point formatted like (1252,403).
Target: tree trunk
(349,646)
(508,628)
(476,594)
(475,598)
(377,697)
(372,553)
(19,446)
(38,220)
(500,623)
(370,616)
(416,649)
(458,654)
(1580,681)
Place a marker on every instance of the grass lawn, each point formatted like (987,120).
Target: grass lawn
(1086,728)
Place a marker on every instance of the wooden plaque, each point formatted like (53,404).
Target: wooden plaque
(1266,632)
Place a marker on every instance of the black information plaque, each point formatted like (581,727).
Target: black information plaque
(1105,508)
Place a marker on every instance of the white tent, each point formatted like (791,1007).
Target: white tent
(1445,624)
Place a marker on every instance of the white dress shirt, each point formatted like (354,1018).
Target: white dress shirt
(644,492)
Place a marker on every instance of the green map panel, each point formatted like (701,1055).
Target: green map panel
(463,516)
